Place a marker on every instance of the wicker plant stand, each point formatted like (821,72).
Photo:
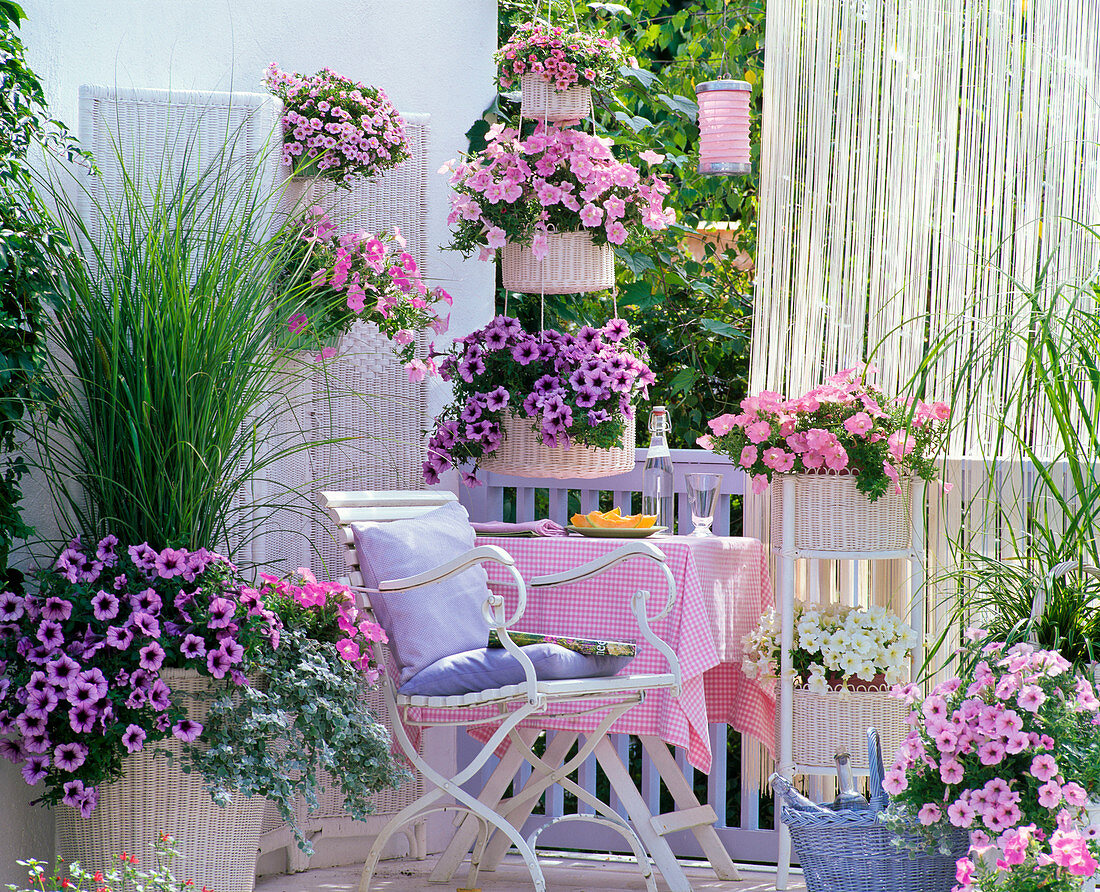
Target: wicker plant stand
(539,100)
(218,846)
(824,517)
(573,265)
(522,454)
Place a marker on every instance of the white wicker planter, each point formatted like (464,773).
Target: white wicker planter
(572,265)
(831,514)
(522,454)
(218,846)
(825,723)
(541,101)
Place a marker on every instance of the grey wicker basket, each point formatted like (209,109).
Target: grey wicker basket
(850,851)
(856,851)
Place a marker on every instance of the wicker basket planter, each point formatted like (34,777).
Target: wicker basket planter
(218,846)
(853,852)
(522,454)
(828,721)
(572,266)
(539,100)
(831,514)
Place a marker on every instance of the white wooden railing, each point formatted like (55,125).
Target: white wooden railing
(739,828)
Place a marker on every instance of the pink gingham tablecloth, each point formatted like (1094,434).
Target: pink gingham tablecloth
(723,587)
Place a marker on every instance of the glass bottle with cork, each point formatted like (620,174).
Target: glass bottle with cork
(657,475)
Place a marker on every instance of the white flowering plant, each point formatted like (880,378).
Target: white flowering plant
(833,644)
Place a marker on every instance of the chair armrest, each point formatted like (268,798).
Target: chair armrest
(479,555)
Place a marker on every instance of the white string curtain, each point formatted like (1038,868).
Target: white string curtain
(921,162)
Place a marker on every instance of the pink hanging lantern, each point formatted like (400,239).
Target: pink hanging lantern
(724,127)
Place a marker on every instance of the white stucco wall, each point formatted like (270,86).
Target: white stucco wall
(431,56)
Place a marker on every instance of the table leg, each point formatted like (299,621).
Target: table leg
(641,817)
(684,797)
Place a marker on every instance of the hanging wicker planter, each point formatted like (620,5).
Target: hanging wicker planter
(523,454)
(827,722)
(539,100)
(217,845)
(572,265)
(831,514)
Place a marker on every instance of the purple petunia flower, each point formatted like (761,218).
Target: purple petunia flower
(146,601)
(233,650)
(37,743)
(183,597)
(217,661)
(120,582)
(152,656)
(193,647)
(187,730)
(34,769)
(588,337)
(87,801)
(82,718)
(12,750)
(587,396)
(221,613)
(119,638)
(73,791)
(497,399)
(145,624)
(471,412)
(7,723)
(11,607)
(526,352)
(40,681)
(105,550)
(160,696)
(69,756)
(616,330)
(122,678)
(105,606)
(469,369)
(137,699)
(41,703)
(495,338)
(81,692)
(171,562)
(598,416)
(546,384)
(144,555)
(71,564)
(49,633)
(133,738)
(97,679)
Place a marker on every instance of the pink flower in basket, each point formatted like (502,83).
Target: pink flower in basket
(844,426)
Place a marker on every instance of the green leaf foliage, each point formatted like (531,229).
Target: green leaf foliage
(28,245)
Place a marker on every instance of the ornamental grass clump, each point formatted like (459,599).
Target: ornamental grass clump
(520,189)
(1009,751)
(562,58)
(835,643)
(335,128)
(332,279)
(845,426)
(570,388)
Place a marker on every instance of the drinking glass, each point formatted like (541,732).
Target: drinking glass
(702,493)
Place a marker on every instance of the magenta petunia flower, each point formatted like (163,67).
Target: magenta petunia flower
(170,562)
(119,637)
(34,769)
(221,613)
(133,738)
(104,606)
(11,607)
(193,647)
(82,718)
(145,624)
(152,656)
(50,634)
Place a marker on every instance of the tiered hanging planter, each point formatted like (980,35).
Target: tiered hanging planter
(573,264)
(833,515)
(218,846)
(540,100)
(523,454)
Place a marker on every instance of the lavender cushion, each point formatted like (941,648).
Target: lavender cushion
(435,621)
(486,668)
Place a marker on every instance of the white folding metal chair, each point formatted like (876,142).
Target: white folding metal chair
(510,705)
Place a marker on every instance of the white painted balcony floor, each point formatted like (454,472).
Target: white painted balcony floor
(563,874)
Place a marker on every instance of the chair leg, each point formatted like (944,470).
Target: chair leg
(684,797)
(523,801)
(641,817)
(467,832)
